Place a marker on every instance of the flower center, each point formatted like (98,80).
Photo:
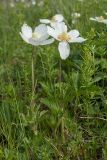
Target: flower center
(35,35)
(53,19)
(64,37)
(101,18)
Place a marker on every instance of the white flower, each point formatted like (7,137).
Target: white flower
(75,15)
(59,32)
(38,37)
(12,4)
(41,3)
(100,19)
(33,2)
(55,19)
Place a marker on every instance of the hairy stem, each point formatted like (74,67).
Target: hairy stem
(33,79)
(62,119)
(62,129)
(60,74)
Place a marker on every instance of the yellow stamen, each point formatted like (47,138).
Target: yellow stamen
(101,18)
(35,35)
(64,37)
(53,19)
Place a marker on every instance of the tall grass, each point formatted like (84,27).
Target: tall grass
(68,117)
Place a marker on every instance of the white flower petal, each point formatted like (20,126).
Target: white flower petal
(78,40)
(24,38)
(45,42)
(52,32)
(99,19)
(73,34)
(34,42)
(43,37)
(26,31)
(64,50)
(46,21)
(48,41)
(93,19)
(105,21)
(41,29)
(60,27)
(58,18)
(53,24)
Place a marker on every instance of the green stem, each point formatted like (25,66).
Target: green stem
(33,79)
(62,119)
(62,129)
(60,74)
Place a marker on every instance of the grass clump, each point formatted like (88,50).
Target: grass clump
(68,117)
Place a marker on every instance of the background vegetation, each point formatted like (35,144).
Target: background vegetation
(68,118)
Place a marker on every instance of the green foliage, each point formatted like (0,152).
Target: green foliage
(67,120)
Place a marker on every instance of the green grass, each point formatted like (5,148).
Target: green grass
(67,119)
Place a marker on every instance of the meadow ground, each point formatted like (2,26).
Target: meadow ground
(67,118)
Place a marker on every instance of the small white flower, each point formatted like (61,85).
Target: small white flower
(105,13)
(33,2)
(55,19)
(38,37)
(75,15)
(41,3)
(12,4)
(59,32)
(100,19)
